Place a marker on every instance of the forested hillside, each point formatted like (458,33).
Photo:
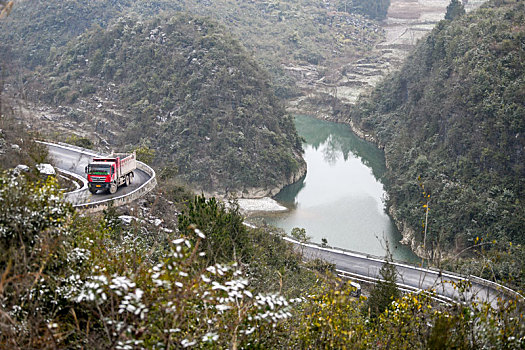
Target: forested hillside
(452,123)
(197,98)
(36,28)
(289,32)
(183,87)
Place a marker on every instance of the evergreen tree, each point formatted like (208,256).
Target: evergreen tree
(384,292)
(454,9)
(227,239)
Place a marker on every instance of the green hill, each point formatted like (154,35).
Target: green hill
(215,112)
(454,116)
(36,28)
(287,32)
(182,86)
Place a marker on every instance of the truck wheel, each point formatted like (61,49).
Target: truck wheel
(128,180)
(131,176)
(92,190)
(113,188)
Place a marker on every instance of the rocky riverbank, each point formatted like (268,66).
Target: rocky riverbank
(259,199)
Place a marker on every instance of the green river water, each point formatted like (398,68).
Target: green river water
(341,198)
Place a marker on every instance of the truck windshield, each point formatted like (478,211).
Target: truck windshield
(98,169)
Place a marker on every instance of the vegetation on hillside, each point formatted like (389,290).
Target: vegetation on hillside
(289,33)
(372,8)
(35,29)
(182,86)
(137,281)
(17,145)
(305,32)
(69,281)
(452,125)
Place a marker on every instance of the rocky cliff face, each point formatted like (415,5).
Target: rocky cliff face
(262,192)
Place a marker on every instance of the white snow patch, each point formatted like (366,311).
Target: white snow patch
(260,204)
(46,169)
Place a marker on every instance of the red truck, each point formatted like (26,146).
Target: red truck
(107,174)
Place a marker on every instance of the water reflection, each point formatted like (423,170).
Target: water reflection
(340,199)
(340,140)
(288,195)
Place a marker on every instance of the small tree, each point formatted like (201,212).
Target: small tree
(300,235)
(226,236)
(385,291)
(426,197)
(145,154)
(454,9)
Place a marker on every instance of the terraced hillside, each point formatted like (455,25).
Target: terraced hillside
(407,22)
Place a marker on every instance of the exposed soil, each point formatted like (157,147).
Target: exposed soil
(406,23)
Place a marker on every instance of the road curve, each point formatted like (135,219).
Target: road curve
(350,264)
(445,284)
(74,160)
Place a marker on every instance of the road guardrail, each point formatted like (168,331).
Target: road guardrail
(126,198)
(105,203)
(447,274)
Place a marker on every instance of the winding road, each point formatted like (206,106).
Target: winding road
(359,267)
(447,287)
(72,160)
